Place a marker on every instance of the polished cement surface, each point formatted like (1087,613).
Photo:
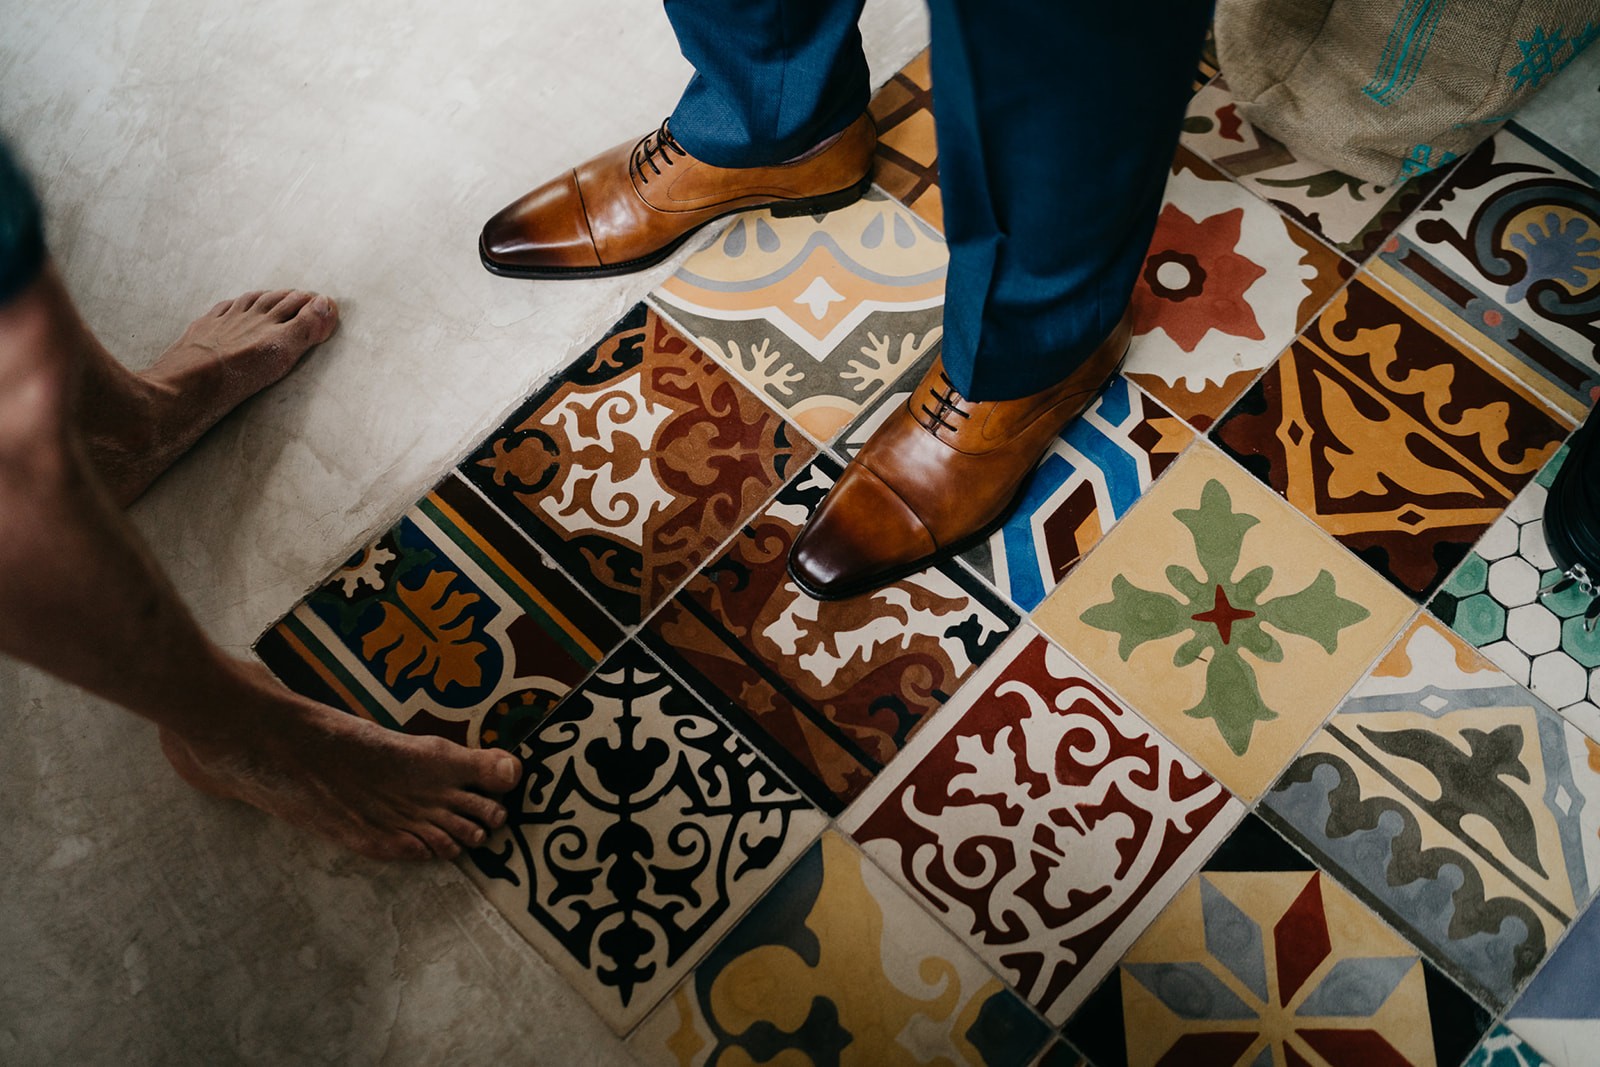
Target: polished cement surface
(190,150)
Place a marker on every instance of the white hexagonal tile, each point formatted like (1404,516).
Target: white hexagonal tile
(1532,546)
(1558,679)
(1584,715)
(1528,505)
(1533,628)
(1500,541)
(1513,581)
(1509,658)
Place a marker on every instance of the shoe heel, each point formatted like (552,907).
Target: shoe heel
(821,205)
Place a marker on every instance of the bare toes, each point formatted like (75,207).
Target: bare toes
(439,842)
(497,772)
(490,814)
(244,302)
(317,317)
(464,831)
(290,304)
(402,846)
(265,302)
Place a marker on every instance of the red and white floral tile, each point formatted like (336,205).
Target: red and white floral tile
(1228,283)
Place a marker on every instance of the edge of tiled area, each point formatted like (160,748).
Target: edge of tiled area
(819,833)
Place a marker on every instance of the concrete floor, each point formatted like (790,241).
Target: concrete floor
(189,150)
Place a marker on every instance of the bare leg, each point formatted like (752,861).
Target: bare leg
(135,425)
(81,597)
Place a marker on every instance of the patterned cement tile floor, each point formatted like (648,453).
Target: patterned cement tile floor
(1197,761)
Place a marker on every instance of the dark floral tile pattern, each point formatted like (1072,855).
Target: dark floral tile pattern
(1391,435)
(836,965)
(1262,959)
(451,623)
(1507,253)
(830,691)
(636,463)
(1353,215)
(642,829)
(1046,821)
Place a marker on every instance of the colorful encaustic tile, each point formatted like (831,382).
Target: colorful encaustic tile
(1392,436)
(1354,215)
(836,966)
(642,829)
(450,623)
(1559,1012)
(907,162)
(1507,253)
(1502,1048)
(636,463)
(1060,1054)
(1456,804)
(1492,600)
(1349,213)
(1225,618)
(818,313)
(849,441)
(830,691)
(1264,961)
(1089,477)
(1228,282)
(1045,822)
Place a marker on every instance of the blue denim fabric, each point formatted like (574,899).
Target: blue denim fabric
(21,229)
(1056,119)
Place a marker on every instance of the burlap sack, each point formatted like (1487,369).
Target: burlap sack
(1383,89)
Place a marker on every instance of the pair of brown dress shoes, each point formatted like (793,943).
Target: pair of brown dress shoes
(937,477)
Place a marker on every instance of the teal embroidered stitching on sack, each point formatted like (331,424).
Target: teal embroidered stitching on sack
(1422,159)
(1542,57)
(1403,52)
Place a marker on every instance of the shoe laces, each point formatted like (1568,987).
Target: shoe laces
(655,150)
(949,403)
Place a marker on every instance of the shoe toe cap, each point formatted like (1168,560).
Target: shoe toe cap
(544,230)
(862,536)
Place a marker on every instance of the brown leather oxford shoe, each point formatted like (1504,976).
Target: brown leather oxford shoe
(632,207)
(940,475)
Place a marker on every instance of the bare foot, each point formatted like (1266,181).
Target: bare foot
(136,426)
(383,794)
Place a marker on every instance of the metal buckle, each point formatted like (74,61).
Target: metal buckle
(1576,575)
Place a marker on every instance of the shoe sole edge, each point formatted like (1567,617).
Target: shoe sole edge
(781,209)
